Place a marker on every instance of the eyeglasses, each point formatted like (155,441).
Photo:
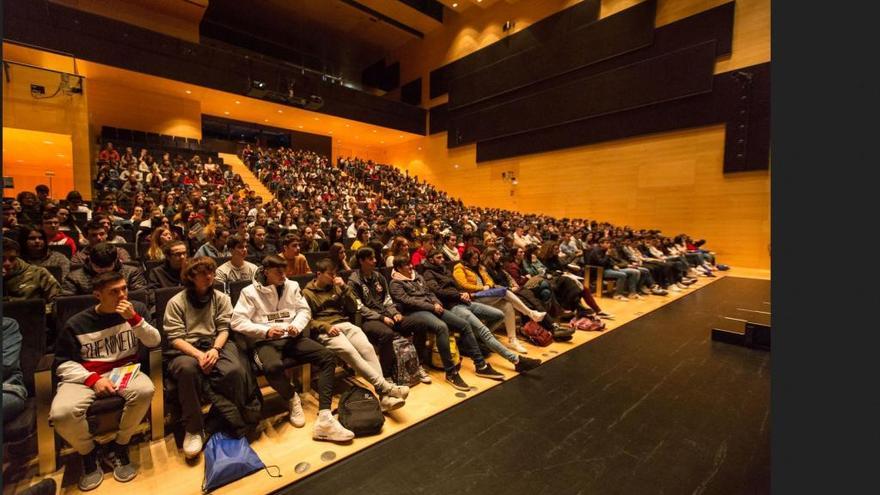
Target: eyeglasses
(177,255)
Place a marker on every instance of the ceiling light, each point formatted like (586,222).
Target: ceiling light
(347,125)
(280,111)
(225,113)
(381,142)
(265,120)
(374,130)
(188,92)
(300,127)
(237,102)
(316,118)
(48,142)
(454,5)
(60,155)
(400,136)
(420,148)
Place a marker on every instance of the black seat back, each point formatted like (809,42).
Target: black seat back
(315,256)
(63,249)
(31,317)
(55,270)
(164,295)
(235,289)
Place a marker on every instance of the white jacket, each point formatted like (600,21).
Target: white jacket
(259,306)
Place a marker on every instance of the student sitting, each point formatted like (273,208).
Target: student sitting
(22,280)
(102,258)
(273,315)
(168,273)
(296,261)
(96,233)
(85,359)
(215,247)
(36,251)
(472,278)
(197,330)
(463,305)
(237,268)
(332,303)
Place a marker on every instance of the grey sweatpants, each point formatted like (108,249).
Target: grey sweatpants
(68,412)
(355,349)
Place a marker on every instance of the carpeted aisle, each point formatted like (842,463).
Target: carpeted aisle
(653,407)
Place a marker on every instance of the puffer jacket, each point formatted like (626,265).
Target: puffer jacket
(468,280)
(442,284)
(331,305)
(79,281)
(26,281)
(412,294)
(259,306)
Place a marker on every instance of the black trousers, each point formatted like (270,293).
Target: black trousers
(381,336)
(229,372)
(303,350)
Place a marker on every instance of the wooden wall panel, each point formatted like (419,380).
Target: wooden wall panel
(120,106)
(671,181)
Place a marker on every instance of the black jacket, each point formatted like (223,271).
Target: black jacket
(598,257)
(164,276)
(413,295)
(79,281)
(374,295)
(441,283)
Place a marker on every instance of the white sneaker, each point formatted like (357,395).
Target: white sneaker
(675,288)
(424,377)
(635,295)
(328,428)
(398,391)
(297,416)
(516,346)
(621,298)
(192,444)
(537,316)
(389,403)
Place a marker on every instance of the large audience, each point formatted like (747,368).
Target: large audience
(396,258)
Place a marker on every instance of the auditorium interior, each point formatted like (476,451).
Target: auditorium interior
(609,159)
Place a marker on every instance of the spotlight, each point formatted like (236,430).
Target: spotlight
(259,84)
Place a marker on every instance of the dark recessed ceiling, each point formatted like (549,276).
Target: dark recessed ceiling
(338,37)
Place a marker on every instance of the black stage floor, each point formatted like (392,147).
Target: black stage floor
(652,407)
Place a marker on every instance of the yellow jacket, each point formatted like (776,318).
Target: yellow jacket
(466,278)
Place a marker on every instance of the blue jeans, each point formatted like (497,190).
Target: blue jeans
(475,314)
(619,278)
(647,281)
(441,326)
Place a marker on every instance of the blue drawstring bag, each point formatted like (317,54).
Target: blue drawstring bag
(228,459)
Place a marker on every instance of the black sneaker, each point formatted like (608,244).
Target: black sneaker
(527,363)
(117,459)
(488,372)
(455,380)
(92,475)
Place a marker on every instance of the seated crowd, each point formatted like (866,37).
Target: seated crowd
(396,257)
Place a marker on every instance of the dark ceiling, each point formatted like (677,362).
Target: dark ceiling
(336,37)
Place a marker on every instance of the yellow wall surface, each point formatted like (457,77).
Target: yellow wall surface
(670,181)
(115,105)
(63,115)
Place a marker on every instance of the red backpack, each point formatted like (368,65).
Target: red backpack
(536,334)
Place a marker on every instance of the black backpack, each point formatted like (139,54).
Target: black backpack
(359,411)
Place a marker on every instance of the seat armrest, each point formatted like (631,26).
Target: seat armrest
(157,405)
(44,391)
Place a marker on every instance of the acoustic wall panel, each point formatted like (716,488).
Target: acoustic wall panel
(411,92)
(674,75)
(438,118)
(715,23)
(613,36)
(536,34)
(746,147)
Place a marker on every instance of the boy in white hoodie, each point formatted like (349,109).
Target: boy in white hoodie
(272,314)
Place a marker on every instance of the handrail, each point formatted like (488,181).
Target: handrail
(45,49)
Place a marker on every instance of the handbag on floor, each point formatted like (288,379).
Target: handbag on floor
(436,361)
(406,362)
(228,459)
(536,334)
